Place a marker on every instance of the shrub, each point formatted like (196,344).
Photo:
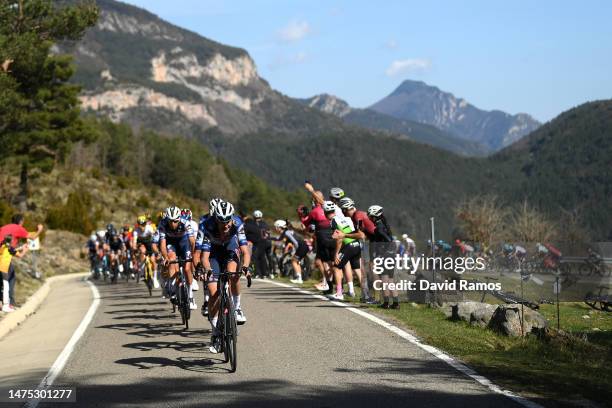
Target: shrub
(76,215)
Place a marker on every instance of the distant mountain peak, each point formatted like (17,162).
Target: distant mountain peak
(329,104)
(420,102)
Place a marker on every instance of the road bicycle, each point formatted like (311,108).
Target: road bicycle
(181,299)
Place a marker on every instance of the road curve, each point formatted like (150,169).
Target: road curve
(294,351)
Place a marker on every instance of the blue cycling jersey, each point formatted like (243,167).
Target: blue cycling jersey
(183,228)
(210,235)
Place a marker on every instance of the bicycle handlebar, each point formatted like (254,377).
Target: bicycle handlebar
(178,261)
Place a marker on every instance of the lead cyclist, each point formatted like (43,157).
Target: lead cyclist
(221,241)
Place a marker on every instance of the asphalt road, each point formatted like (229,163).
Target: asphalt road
(294,351)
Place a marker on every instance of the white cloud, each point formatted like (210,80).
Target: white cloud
(401,67)
(294,31)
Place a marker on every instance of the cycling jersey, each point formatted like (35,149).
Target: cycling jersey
(222,246)
(210,236)
(182,229)
(115,243)
(300,249)
(316,218)
(364,223)
(144,233)
(345,225)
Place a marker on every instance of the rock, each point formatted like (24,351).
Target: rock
(475,313)
(507,320)
(586,317)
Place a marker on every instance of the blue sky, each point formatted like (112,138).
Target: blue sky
(539,57)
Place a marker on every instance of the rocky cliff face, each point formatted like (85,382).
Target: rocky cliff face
(417,101)
(140,69)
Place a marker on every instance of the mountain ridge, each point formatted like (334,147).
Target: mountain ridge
(420,102)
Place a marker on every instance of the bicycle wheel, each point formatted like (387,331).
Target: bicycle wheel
(179,302)
(231,332)
(185,306)
(221,325)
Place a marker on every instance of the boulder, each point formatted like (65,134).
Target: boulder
(507,320)
(475,313)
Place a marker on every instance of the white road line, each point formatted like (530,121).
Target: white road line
(61,360)
(430,349)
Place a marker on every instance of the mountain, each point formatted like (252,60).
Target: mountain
(415,131)
(137,68)
(417,101)
(565,165)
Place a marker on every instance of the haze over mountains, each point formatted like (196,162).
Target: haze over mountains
(138,69)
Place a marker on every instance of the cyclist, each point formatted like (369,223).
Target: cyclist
(114,246)
(221,241)
(294,245)
(142,242)
(177,240)
(348,250)
(126,237)
(384,247)
(92,246)
(409,245)
(364,228)
(187,216)
(212,205)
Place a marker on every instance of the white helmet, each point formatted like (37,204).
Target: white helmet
(375,211)
(404,236)
(336,192)
(329,206)
(93,237)
(280,224)
(346,203)
(212,205)
(224,211)
(173,213)
(257,214)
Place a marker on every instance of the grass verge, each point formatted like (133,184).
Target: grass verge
(566,369)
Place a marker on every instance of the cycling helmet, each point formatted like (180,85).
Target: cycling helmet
(328,206)
(125,228)
(336,192)
(280,224)
(224,211)
(508,248)
(404,236)
(375,211)
(93,237)
(110,227)
(212,205)
(257,214)
(142,220)
(347,203)
(186,214)
(173,213)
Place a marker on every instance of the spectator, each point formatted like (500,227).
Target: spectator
(6,255)
(18,232)
(254,236)
(265,243)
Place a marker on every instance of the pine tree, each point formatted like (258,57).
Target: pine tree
(39,109)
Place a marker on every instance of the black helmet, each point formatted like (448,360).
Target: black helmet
(110,227)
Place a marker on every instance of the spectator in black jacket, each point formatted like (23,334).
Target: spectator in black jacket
(254,235)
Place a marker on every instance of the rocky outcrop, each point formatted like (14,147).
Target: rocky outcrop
(507,320)
(115,103)
(504,319)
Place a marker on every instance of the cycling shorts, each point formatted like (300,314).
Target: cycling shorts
(301,251)
(350,253)
(180,246)
(147,244)
(220,256)
(326,245)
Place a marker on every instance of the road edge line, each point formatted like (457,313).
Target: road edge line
(441,355)
(61,360)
